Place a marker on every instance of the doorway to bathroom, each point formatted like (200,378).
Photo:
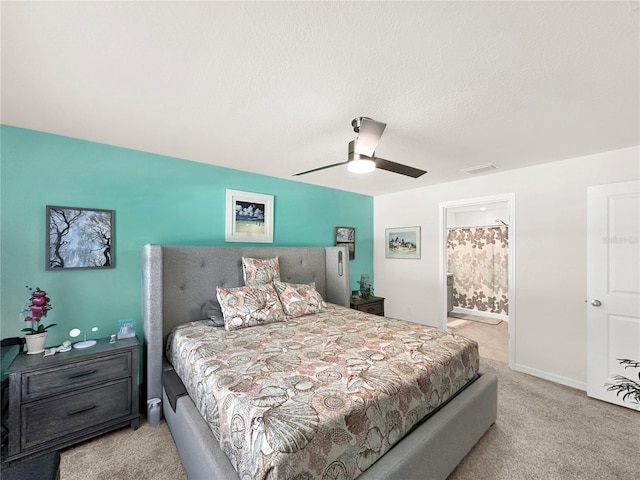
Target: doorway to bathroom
(477,245)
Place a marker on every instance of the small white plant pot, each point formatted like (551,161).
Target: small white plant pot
(35,342)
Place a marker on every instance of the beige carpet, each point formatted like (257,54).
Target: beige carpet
(552,432)
(544,431)
(144,454)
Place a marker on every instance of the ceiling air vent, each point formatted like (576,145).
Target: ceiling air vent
(487,167)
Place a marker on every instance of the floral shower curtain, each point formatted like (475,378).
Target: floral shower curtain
(478,258)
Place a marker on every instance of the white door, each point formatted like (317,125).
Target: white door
(613,287)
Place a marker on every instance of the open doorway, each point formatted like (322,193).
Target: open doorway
(477,245)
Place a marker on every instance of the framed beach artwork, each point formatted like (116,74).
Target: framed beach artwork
(346,236)
(79,238)
(402,242)
(249,217)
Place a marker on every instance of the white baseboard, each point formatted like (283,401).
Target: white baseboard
(478,313)
(568,382)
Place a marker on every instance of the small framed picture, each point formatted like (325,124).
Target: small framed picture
(402,242)
(126,328)
(249,217)
(346,236)
(79,238)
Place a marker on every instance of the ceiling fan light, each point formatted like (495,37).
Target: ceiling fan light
(361,166)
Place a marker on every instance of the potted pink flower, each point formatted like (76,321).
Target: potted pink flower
(34,311)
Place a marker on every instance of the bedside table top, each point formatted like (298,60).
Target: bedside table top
(363,301)
(25,361)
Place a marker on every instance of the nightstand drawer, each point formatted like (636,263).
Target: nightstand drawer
(43,383)
(46,420)
(375,308)
(373,305)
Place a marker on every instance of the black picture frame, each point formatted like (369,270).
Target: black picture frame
(79,238)
(346,236)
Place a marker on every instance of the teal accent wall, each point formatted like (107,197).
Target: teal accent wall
(156,199)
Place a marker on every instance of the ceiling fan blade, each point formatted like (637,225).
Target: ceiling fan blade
(320,168)
(394,167)
(369,136)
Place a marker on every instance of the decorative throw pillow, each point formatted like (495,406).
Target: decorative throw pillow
(249,306)
(299,299)
(211,309)
(258,271)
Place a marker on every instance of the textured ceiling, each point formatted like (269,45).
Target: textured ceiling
(272,87)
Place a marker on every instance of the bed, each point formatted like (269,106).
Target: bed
(178,281)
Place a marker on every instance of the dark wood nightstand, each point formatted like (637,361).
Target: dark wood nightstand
(69,397)
(372,304)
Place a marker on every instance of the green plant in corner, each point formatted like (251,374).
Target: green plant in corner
(34,311)
(625,387)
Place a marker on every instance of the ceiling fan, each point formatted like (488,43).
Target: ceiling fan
(362,157)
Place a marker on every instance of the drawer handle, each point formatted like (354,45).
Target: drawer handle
(80,410)
(82,374)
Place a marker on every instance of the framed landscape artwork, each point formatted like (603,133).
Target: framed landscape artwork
(249,217)
(402,242)
(346,236)
(79,238)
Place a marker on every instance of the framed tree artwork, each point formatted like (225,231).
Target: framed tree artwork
(346,236)
(79,238)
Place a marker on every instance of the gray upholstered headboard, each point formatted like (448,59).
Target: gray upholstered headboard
(177,281)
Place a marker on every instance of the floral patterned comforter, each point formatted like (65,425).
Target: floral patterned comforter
(319,396)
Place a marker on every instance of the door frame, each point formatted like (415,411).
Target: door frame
(509,198)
